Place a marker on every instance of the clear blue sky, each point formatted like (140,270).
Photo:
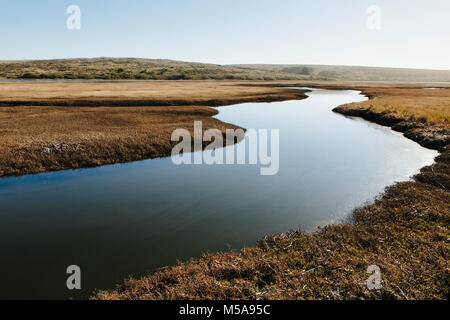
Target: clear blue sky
(414,33)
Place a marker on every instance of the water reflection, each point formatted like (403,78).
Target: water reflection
(125,219)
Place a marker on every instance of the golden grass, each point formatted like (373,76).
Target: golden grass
(419,104)
(405,232)
(45,138)
(181,90)
(185,92)
(38,139)
(188,91)
(435,110)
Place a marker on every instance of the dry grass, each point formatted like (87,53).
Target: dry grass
(192,92)
(38,139)
(142,93)
(45,138)
(428,109)
(406,232)
(126,90)
(432,106)
(423,115)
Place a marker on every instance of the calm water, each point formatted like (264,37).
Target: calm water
(125,219)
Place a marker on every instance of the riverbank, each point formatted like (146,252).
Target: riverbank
(405,232)
(54,126)
(422,116)
(49,126)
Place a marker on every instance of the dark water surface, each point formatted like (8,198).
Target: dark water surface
(125,219)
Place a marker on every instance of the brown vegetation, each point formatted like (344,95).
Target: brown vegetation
(38,139)
(45,138)
(406,232)
(355,73)
(132,68)
(423,115)
(161,69)
(140,93)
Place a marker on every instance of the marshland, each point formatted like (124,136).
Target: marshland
(311,231)
(224,150)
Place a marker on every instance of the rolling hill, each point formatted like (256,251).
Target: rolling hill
(160,69)
(355,73)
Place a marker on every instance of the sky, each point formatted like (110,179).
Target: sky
(405,33)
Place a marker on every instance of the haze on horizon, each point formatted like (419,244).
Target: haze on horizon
(412,33)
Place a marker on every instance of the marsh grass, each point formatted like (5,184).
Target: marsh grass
(421,105)
(405,231)
(38,139)
(106,123)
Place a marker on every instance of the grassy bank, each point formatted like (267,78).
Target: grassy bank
(40,139)
(406,232)
(423,115)
(55,126)
(140,93)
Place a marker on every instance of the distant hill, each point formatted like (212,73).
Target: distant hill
(355,73)
(132,68)
(158,69)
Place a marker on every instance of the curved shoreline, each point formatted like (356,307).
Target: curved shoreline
(405,232)
(436,138)
(42,135)
(106,137)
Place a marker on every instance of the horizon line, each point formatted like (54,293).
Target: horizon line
(221,64)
